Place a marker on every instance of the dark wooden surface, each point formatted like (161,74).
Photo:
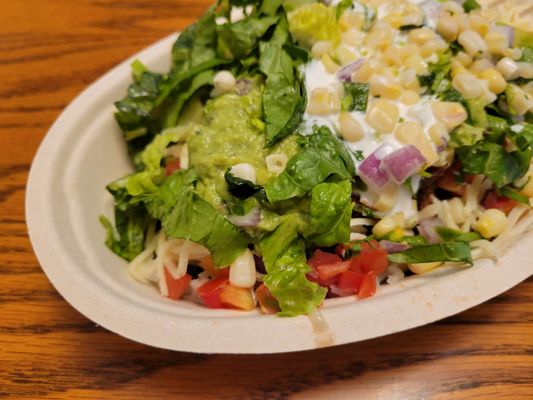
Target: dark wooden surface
(49,51)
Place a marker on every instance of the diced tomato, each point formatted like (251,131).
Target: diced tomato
(368,285)
(176,287)
(314,277)
(210,292)
(207,264)
(320,257)
(237,297)
(171,165)
(493,200)
(327,271)
(267,302)
(372,257)
(348,283)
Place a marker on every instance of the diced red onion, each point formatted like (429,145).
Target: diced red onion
(427,227)
(507,31)
(246,221)
(403,163)
(370,172)
(393,247)
(345,73)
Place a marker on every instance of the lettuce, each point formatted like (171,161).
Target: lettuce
(284,98)
(465,135)
(311,23)
(146,181)
(493,161)
(131,224)
(186,215)
(356,96)
(452,251)
(331,210)
(284,257)
(322,156)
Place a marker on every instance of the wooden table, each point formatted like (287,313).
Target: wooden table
(49,51)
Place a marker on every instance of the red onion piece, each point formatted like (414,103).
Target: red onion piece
(393,247)
(246,221)
(370,172)
(345,73)
(427,227)
(402,163)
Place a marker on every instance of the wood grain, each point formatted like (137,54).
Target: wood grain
(49,51)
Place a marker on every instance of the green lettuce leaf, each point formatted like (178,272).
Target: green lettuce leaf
(331,210)
(131,225)
(146,181)
(239,39)
(313,22)
(465,135)
(453,251)
(471,5)
(322,156)
(493,161)
(284,257)
(455,235)
(284,98)
(186,215)
(355,96)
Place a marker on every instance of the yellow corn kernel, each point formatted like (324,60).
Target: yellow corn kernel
(520,101)
(525,69)
(323,102)
(417,63)
(349,128)
(380,35)
(433,46)
(331,66)
(457,68)
(447,27)
(396,235)
(479,24)
(472,42)
(365,71)
(420,268)
(508,68)
(411,132)
(408,78)
(412,15)
(420,36)
(480,65)
(491,223)
(450,113)
(439,134)
(382,116)
(345,55)
(388,197)
(410,97)
(352,37)
(495,80)
(463,58)
(395,19)
(463,22)
(399,218)
(384,227)
(384,86)
(320,48)
(513,54)
(351,19)
(468,85)
(497,42)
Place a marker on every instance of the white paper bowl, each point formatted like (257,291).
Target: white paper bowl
(84,150)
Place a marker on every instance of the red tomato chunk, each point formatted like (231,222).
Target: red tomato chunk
(176,287)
